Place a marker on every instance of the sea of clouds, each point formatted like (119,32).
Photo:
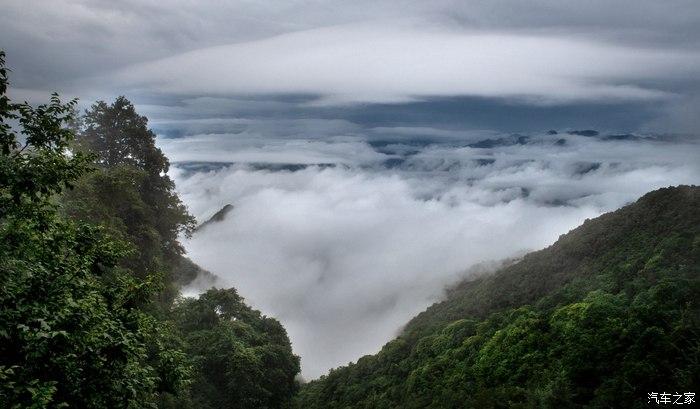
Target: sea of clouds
(345,238)
(336,130)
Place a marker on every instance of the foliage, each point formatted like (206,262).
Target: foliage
(80,267)
(72,333)
(243,359)
(239,358)
(607,314)
(130,194)
(120,136)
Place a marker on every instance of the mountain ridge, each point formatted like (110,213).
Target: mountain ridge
(598,319)
(591,231)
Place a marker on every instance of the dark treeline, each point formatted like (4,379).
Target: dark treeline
(90,272)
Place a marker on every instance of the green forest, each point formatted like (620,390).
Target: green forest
(91,314)
(606,315)
(90,272)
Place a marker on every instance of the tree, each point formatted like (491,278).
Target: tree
(120,136)
(72,331)
(130,194)
(243,359)
(121,141)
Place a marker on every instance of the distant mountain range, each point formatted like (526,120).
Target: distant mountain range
(398,152)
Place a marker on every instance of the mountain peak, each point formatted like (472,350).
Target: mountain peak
(217,217)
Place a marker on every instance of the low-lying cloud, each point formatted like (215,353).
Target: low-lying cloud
(389,63)
(345,255)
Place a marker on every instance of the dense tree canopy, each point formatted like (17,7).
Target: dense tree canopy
(129,193)
(90,265)
(243,359)
(120,136)
(240,359)
(606,315)
(72,332)
(126,153)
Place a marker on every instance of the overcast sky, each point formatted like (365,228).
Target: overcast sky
(374,151)
(507,56)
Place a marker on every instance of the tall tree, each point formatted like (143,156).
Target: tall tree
(72,331)
(120,138)
(131,194)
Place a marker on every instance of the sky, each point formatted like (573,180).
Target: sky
(375,151)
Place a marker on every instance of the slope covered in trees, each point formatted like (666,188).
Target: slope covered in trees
(604,316)
(90,269)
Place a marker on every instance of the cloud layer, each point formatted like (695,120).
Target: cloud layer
(378,63)
(345,255)
(387,51)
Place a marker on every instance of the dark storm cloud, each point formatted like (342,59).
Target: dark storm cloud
(504,115)
(276,117)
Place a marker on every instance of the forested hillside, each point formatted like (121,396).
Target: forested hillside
(91,268)
(604,316)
